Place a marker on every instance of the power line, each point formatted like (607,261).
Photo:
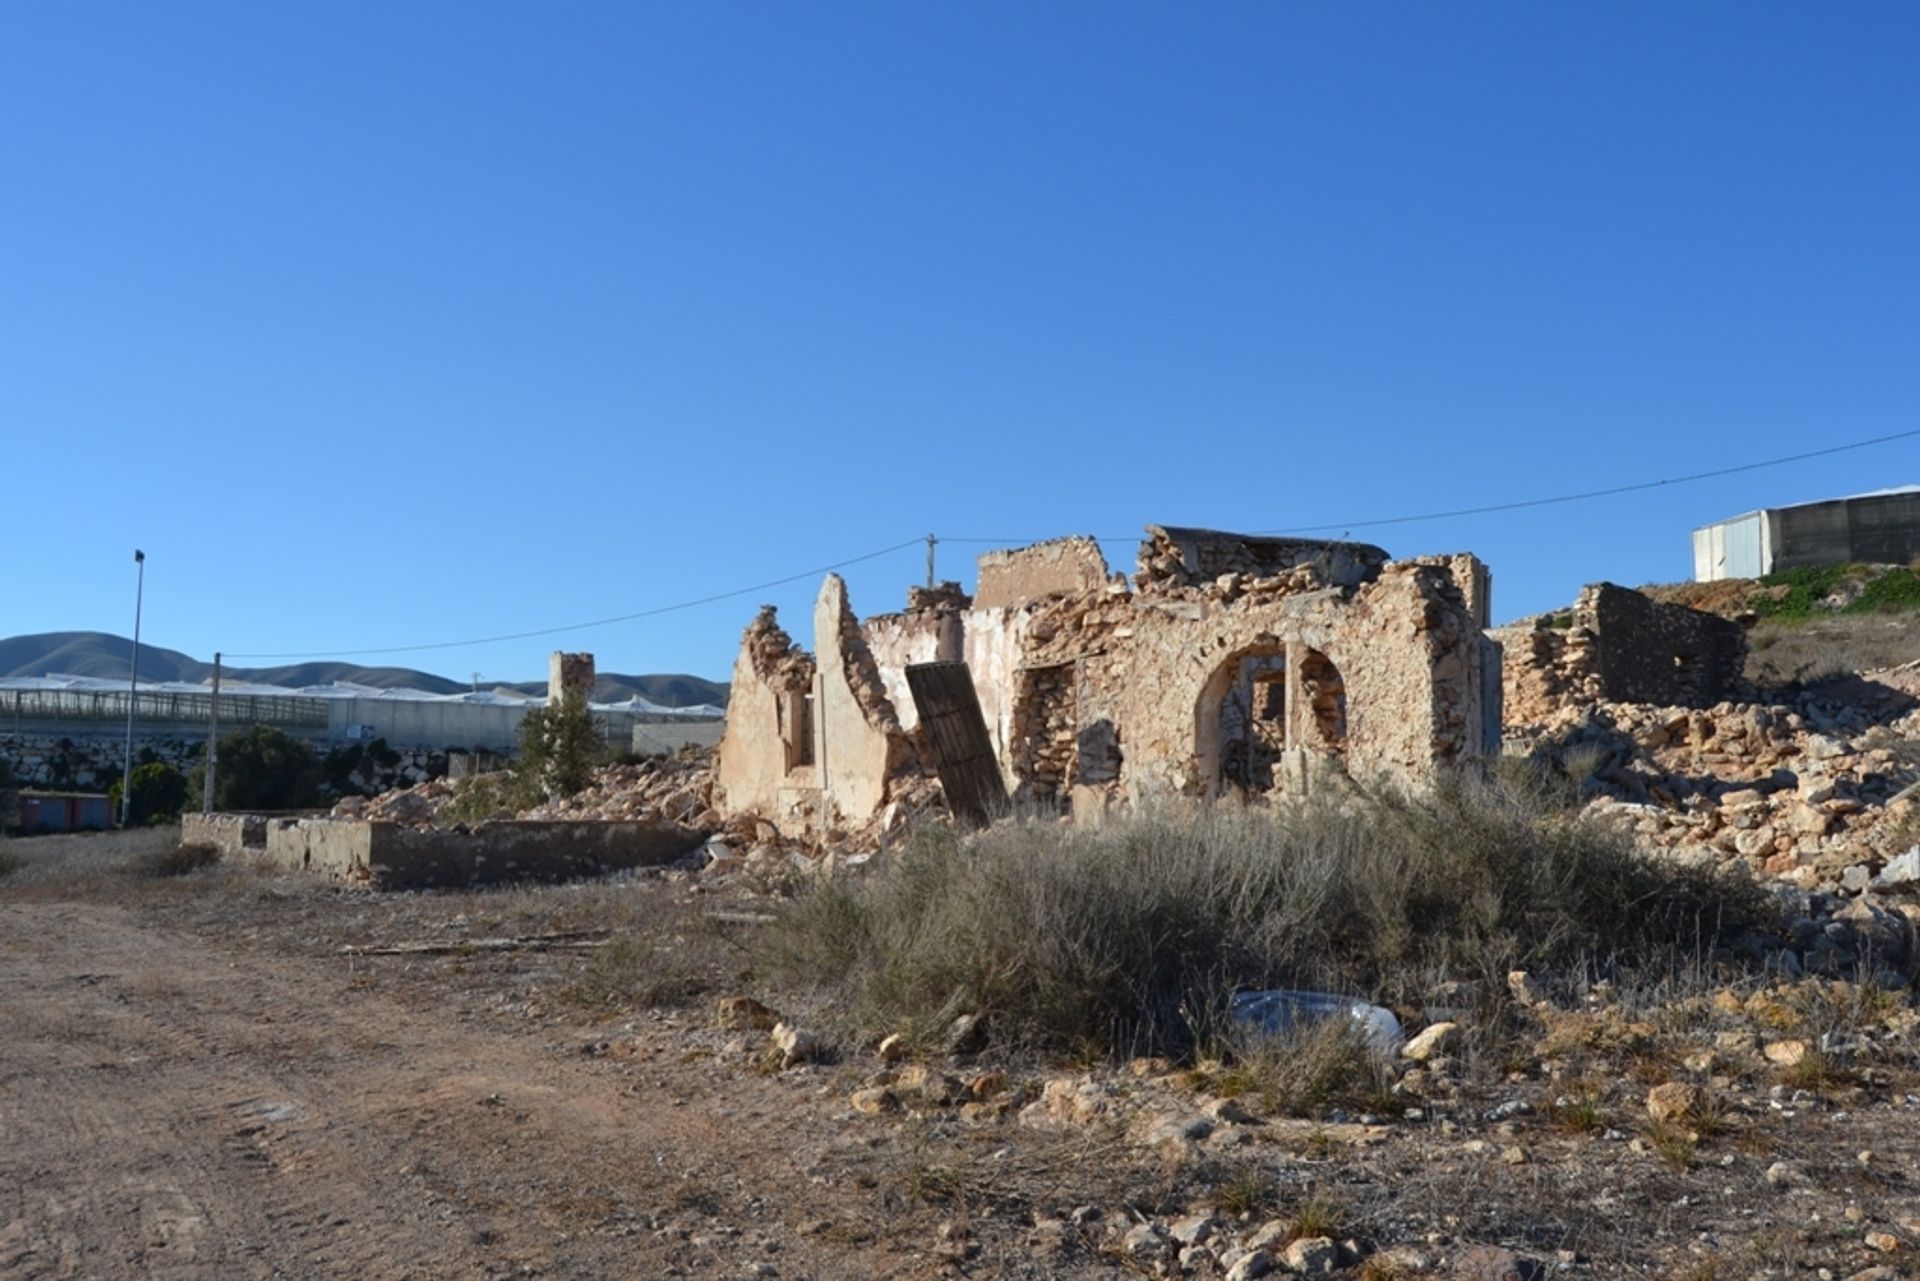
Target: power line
(1342,526)
(1597,493)
(598,622)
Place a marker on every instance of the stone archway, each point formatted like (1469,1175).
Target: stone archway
(1240,722)
(1267,713)
(1322,715)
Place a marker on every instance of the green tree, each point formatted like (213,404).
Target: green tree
(559,746)
(262,768)
(159,793)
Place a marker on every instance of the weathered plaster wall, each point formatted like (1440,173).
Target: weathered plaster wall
(767,749)
(1060,567)
(861,744)
(917,636)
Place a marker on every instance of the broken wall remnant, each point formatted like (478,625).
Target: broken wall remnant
(396,856)
(1173,556)
(1242,666)
(1618,645)
(569,674)
(819,743)
(772,768)
(1059,567)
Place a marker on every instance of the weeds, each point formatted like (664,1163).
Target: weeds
(1247,1190)
(1673,1142)
(178,860)
(1132,936)
(1308,1073)
(1317,1216)
(9,863)
(638,973)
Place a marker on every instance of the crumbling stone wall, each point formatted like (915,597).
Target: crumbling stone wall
(932,630)
(812,744)
(862,744)
(569,674)
(1045,731)
(1060,567)
(1310,659)
(1618,645)
(765,760)
(1174,557)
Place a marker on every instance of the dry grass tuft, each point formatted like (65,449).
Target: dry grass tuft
(1130,937)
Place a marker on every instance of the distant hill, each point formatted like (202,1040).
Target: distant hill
(109,657)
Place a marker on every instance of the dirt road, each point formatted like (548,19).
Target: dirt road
(172,1106)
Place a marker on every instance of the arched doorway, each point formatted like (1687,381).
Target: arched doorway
(1241,723)
(1264,716)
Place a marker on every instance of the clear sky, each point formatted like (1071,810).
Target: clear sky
(388,324)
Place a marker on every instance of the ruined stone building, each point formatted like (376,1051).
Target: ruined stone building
(1231,666)
(1617,645)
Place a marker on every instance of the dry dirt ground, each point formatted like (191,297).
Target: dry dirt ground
(211,1075)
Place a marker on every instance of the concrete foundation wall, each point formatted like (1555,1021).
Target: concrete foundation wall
(392,856)
(232,834)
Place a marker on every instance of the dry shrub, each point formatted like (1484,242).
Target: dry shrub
(179,860)
(1132,935)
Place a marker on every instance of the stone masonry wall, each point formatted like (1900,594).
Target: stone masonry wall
(1062,567)
(1172,557)
(1619,645)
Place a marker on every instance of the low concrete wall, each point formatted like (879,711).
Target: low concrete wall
(231,834)
(393,856)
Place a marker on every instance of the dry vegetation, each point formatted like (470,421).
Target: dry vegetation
(1109,1101)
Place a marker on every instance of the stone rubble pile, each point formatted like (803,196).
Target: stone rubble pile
(1816,789)
(678,788)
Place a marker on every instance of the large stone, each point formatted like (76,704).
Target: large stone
(1673,1101)
(1435,1038)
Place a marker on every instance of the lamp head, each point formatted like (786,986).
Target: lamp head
(139,557)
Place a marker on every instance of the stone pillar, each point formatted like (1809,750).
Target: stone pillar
(569,674)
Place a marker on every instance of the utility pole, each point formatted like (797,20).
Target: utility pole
(213,738)
(931,540)
(133,687)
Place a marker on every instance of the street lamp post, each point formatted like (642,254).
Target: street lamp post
(133,688)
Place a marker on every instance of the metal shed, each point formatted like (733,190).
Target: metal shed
(1882,527)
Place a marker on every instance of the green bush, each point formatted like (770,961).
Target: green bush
(159,794)
(262,768)
(1802,592)
(1129,937)
(559,747)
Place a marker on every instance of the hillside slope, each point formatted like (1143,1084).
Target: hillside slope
(108,657)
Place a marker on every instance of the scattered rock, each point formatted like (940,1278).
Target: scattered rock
(1786,1053)
(1435,1038)
(796,1045)
(1494,1263)
(1311,1257)
(1255,1263)
(743,1014)
(1674,1101)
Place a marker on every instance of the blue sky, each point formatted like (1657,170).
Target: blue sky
(389,324)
